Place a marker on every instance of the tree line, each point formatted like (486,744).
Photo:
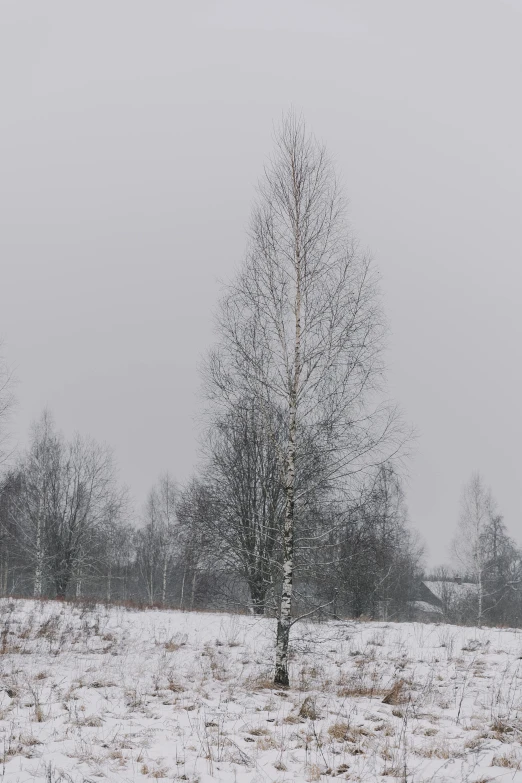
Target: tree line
(487,560)
(67,530)
(298,508)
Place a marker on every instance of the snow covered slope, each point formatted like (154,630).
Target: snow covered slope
(91,694)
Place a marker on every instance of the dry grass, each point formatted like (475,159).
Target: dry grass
(308,709)
(360,691)
(435,751)
(395,694)
(212,701)
(339,730)
(508,760)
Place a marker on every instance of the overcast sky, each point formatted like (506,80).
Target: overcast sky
(132,133)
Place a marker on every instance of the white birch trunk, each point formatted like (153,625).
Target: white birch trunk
(285,608)
(38,571)
(480,593)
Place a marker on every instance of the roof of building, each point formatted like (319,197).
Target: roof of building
(442,589)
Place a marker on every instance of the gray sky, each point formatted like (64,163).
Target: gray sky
(132,133)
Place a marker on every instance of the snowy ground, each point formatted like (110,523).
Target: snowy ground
(93,694)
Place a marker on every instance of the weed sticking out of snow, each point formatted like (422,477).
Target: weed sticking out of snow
(91,692)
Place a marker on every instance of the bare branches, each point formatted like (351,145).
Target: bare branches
(301,332)
(7,400)
(68,492)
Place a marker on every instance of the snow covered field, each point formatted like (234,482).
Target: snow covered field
(93,693)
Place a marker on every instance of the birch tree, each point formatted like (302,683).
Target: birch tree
(167,496)
(69,491)
(83,495)
(300,330)
(483,548)
(38,466)
(158,539)
(469,544)
(148,549)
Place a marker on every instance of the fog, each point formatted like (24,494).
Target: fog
(132,135)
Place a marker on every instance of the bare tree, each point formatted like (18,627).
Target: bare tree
(6,405)
(502,570)
(10,554)
(166,500)
(148,549)
(37,468)
(116,556)
(477,507)
(301,331)
(69,491)
(245,478)
(157,539)
(195,511)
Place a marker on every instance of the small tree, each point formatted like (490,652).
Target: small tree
(378,559)
(502,571)
(477,509)
(195,511)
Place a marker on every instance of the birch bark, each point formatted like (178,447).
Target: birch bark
(285,607)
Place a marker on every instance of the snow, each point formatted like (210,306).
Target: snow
(94,693)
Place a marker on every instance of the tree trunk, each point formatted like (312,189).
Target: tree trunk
(284,621)
(5,575)
(38,571)
(258,588)
(480,591)
(61,587)
(164,585)
(182,588)
(193,590)
(285,608)
(150,585)
(63,573)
